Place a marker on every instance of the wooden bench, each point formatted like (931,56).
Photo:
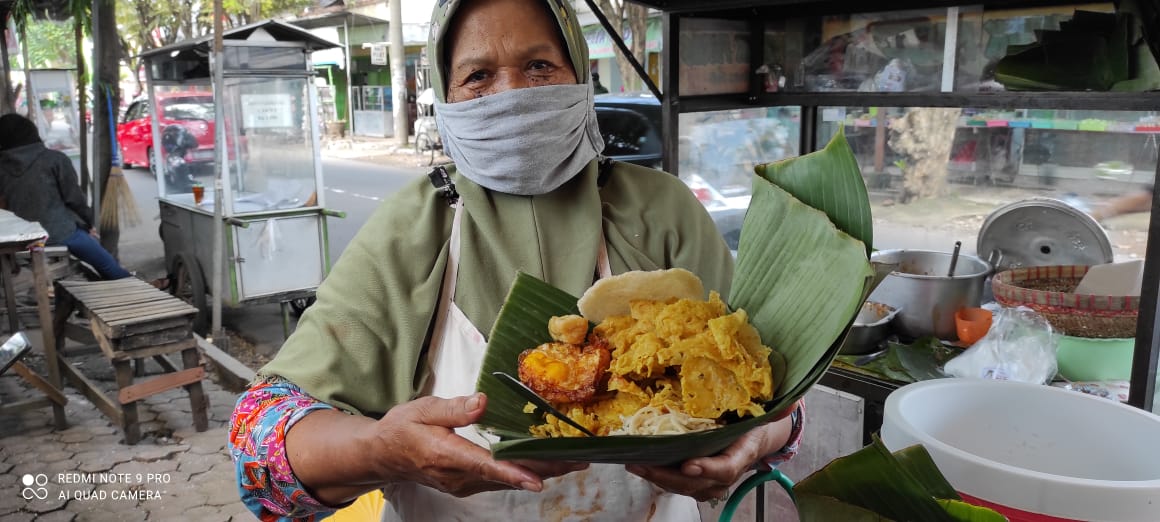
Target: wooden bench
(132,322)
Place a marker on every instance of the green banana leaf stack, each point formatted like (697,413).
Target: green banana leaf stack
(1088,52)
(802,273)
(874,484)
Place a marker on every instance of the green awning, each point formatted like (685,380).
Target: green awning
(600,44)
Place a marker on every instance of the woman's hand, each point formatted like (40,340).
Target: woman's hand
(709,478)
(417,443)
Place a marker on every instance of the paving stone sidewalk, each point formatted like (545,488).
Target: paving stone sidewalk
(86,472)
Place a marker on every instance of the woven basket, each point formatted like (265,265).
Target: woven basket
(1048,290)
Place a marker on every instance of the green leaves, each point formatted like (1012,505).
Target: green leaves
(828,180)
(905,485)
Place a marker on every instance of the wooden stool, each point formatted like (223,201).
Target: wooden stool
(132,321)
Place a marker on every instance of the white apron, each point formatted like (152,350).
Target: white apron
(604,492)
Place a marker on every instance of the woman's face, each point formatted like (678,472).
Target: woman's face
(499,45)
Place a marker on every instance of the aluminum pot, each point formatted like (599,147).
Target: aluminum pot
(926,297)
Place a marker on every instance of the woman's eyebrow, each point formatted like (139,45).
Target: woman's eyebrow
(480,61)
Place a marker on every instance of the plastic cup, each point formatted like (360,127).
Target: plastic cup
(198,194)
(972,324)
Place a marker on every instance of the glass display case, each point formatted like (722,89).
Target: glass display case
(953,112)
(255,134)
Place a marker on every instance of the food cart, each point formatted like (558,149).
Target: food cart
(273,210)
(817,67)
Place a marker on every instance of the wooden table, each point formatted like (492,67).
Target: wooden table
(18,235)
(132,321)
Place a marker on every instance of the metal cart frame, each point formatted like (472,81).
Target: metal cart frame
(275,246)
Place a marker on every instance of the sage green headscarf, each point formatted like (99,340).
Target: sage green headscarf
(362,345)
(570,30)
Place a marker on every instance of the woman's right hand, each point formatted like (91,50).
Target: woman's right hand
(417,443)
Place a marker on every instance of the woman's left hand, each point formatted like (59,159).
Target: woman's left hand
(709,478)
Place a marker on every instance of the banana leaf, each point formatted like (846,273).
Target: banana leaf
(828,180)
(800,278)
(904,485)
(812,507)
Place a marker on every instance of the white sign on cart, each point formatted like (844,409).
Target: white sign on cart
(263,111)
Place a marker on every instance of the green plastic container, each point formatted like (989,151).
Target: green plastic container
(1082,359)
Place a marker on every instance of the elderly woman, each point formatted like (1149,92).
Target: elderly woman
(375,390)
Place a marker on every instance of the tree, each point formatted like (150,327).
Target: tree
(624,14)
(149,24)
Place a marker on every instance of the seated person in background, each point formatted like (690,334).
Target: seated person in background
(1136,201)
(40,184)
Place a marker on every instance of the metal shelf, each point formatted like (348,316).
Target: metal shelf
(1113,101)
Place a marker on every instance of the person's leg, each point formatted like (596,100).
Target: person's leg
(87,249)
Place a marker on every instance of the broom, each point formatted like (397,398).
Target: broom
(118,203)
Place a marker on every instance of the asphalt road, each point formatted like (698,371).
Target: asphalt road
(353,186)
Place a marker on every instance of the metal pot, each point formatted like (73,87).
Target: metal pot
(926,297)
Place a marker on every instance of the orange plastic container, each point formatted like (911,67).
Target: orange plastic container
(972,324)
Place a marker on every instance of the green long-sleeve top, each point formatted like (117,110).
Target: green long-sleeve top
(362,345)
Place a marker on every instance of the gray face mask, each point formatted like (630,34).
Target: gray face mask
(522,141)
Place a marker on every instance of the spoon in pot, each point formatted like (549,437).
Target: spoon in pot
(540,402)
(955,258)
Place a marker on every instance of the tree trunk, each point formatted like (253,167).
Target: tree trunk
(82,103)
(7,97)
(106,89)
(925,136)
(637,18)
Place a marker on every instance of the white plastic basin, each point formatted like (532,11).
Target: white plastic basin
(1033,452)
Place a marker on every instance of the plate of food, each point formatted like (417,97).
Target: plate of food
(661,369)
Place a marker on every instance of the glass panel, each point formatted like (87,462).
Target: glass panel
(718,151)
(993,50)
(935,174)
(184,143)
(876,52)
(271,148)
(714,56)
(246,57)
(1103,52)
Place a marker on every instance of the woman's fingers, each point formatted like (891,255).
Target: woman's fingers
(448,413)
(675,481)
(729,465)
(421,446)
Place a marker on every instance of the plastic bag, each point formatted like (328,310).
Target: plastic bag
(1020,346)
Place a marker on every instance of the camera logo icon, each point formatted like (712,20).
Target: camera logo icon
(34,486)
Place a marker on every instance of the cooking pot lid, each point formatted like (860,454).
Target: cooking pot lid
(1042,232)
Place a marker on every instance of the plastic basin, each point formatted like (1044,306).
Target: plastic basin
(1083,359)
(1032,452)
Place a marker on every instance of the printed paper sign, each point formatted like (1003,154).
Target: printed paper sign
(267,110)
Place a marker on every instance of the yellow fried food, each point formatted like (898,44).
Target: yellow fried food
(686,363)
(570,329)
(565,373)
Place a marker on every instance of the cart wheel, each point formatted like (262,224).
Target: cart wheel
(189,286)
(298,306)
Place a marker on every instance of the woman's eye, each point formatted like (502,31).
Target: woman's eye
(539,65)
(477,76)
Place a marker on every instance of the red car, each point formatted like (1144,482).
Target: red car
(194,111)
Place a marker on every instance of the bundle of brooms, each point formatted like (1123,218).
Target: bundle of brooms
(802,273)
(117,202)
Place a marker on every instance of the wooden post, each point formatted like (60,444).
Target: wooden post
(129,422)
(44,308)
(106,91)
(198,405)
